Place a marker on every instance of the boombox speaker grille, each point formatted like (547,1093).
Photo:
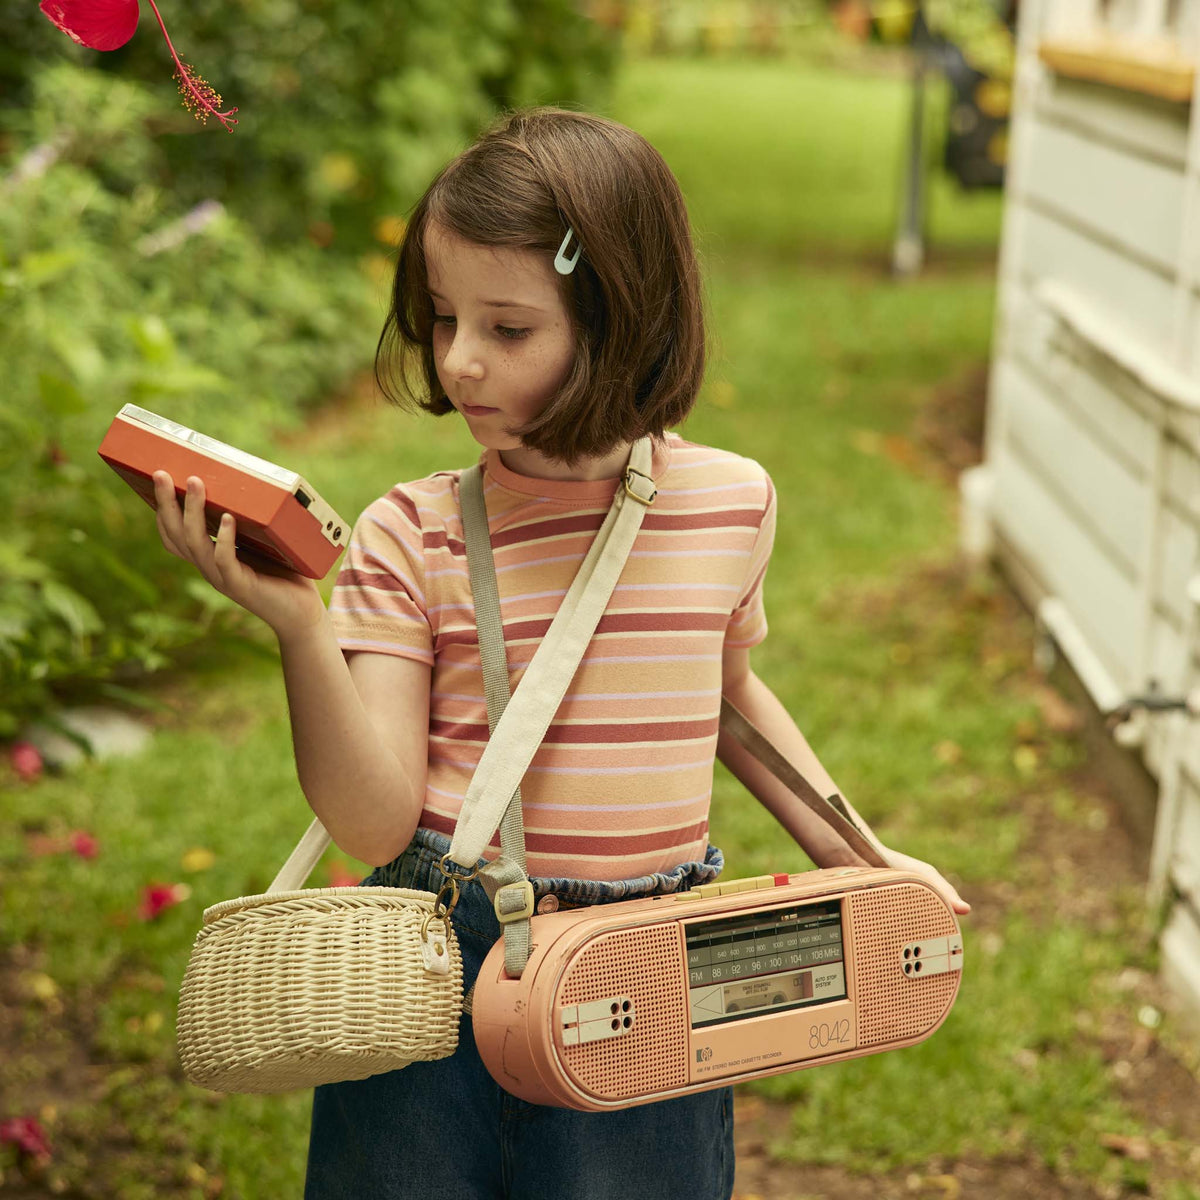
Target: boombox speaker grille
(642,964)
(893,1005)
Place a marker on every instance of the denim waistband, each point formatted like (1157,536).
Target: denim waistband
(417,868)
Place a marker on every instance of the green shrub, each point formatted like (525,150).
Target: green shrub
(217,278)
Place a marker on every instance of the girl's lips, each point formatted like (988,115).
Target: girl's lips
(478,410)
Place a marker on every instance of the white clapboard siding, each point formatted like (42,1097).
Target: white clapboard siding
(1169,661)
(1183,479)
(1180,947)
(1117,412)
(1040,521)
(1135,203)
(1093,447)
(1185,851)
(1131,292)
(1142,126)
(1177,563)
(1098,492)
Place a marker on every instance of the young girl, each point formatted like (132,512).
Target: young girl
(548,292)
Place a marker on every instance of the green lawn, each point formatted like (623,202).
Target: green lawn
(821,365)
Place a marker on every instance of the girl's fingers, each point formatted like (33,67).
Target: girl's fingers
(167,517)
(229,568)
(195,532)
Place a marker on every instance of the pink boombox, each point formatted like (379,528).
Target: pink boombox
(642,1000)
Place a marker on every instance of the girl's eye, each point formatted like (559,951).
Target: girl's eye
(506,331)
(441,319)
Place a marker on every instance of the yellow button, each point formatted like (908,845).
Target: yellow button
(686,896)
(708,889)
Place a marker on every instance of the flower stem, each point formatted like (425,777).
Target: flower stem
(188,84)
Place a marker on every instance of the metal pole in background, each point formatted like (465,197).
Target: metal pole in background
(908,250)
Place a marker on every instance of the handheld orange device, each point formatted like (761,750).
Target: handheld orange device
(279,515)
(629,1003)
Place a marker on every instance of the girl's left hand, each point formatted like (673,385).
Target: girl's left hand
(905,862)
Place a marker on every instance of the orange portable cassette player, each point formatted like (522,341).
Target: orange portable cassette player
(279,514)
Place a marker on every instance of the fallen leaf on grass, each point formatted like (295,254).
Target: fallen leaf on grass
(39,985)
(1025,759)
(1058,715)
(946,1185)
(947,752)
(1135,1148)
(198,858)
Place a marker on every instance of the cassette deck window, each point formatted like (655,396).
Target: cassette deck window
(765,962)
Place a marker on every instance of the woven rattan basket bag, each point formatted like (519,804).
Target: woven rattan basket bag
(294,988)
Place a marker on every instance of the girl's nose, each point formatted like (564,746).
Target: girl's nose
(462,360)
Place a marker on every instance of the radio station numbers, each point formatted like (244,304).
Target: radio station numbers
(824,953)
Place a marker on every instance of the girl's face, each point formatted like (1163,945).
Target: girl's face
(502,338)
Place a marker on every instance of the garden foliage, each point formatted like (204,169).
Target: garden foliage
(215,277)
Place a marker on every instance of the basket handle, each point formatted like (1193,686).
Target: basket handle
(295,872)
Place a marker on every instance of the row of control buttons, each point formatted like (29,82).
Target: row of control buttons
(734,885)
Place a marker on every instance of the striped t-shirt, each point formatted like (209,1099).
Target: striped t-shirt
(621,784)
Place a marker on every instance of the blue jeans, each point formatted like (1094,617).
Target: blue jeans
(446,1130)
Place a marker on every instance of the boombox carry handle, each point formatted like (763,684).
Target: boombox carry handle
(830,809)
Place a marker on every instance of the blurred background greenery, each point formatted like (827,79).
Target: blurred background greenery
(234,280)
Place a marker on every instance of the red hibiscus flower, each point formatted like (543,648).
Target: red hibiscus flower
(84,844)
(109,24)
(159,896)
(26,761)
(340,875)
(27,1135)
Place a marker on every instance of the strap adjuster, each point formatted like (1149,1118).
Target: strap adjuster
(635,479)
(513,902)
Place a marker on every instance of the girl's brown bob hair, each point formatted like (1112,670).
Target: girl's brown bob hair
(635,296)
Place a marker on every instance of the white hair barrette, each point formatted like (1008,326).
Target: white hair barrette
(562,264)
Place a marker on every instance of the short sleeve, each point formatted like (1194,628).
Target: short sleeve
(378,601)
(748,621)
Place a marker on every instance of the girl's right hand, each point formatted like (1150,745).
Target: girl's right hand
(289,602)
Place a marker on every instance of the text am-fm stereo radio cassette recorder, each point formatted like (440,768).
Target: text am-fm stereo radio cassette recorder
(638,1001)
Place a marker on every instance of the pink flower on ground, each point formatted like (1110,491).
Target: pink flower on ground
(26,761)
(109,24)
(26,1134)
(159,896)
(84,844)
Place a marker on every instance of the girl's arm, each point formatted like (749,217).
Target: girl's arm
(360,734)
(764,710)
(360,729)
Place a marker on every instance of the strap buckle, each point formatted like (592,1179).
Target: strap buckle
(513,902)
(634,479)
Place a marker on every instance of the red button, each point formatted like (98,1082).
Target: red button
(780,880)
